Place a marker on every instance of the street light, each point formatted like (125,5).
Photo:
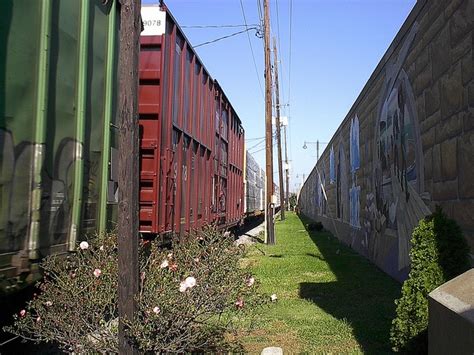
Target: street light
(317,143)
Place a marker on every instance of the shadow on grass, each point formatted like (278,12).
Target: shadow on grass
(316,256)
(363,295)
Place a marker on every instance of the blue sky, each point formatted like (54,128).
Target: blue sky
(335,46)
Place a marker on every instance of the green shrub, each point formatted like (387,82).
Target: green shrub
(439,252)
(189,296)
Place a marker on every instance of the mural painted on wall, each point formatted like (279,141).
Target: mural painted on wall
(354,144)
(386,178)
(354,193)
(398,167)
(354,197)
(332,168)
(342,186)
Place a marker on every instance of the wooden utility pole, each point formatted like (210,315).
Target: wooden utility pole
(287,171)
(270,237)
(278,132)
(130,28)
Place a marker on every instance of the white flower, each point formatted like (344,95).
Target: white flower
(250,281)
(189,282)
(196,260)
(170,255)
(48,303)
(164,264)
(156,310)
(273,297)
(97,272)
(84,245)
(239,303)
(101,248)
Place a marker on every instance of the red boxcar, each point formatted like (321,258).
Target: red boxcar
(192,141)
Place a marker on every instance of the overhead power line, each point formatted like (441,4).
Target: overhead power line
(257,31)
(220,26)
(254,139)
(251,50)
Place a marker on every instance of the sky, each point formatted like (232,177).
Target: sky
(335,47)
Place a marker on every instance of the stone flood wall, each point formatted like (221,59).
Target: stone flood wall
(407,144)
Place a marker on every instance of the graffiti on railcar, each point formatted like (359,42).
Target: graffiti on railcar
(15,177)
(57,183)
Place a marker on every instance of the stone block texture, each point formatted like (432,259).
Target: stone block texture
(407,143)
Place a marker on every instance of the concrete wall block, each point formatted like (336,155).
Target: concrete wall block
(449,161)
(422,80)
(431,24)
(428,138)
(468,119)
(430,121)
(467,65)
(429,189)
(451,322)
(463,47)
(432,99)
(437,163)
(449,128)
(451,92)
(448,207)
(445,190)
(451,7)
(466,166)
(440,54)
(469,236)
(470,95)
(461,21)
(422,60)
(420,107)
(463,214)
(428,163)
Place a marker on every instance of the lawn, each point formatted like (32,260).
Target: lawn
(330,299)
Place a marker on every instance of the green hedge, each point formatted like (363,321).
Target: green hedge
(439,252)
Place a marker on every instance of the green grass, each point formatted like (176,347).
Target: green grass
(330,299)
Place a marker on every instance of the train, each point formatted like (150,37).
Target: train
(59,134)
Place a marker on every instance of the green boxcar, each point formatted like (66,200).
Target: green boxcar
(58,143)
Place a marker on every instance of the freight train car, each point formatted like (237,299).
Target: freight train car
(192,141)
(57,136)
(254,187)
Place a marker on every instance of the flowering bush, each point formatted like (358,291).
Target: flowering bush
(189,297)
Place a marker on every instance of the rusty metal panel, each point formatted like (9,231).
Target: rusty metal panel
(150,131)
(193,183)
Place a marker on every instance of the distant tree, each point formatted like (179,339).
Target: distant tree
(292,201)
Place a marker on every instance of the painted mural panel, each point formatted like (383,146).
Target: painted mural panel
(354,144)
(332,168)
(412,117)
(354,194)
(342,186)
